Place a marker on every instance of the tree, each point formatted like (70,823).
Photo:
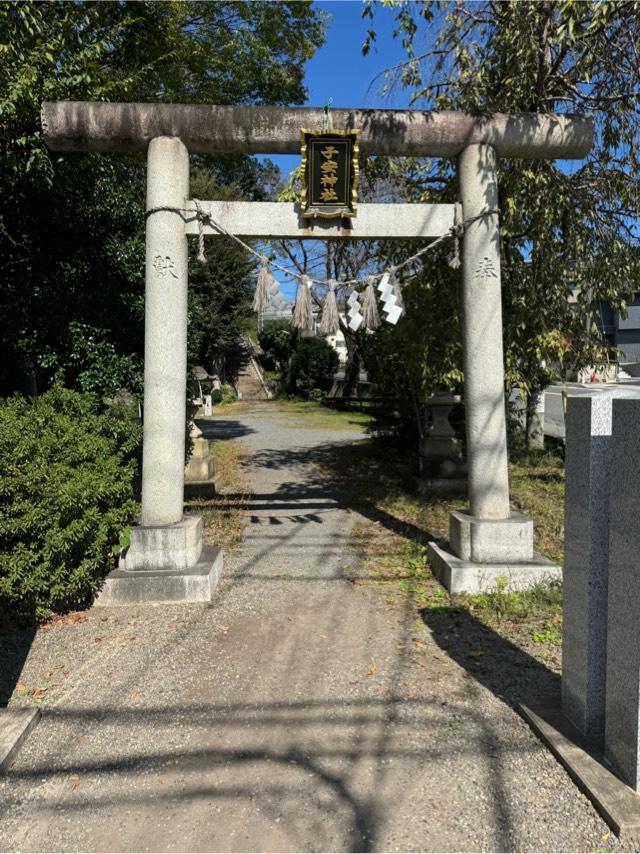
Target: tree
(312,367)
(71,227)
(565,230)
(220,289)
(277,339)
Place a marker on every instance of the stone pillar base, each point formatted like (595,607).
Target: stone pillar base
(164,563)
(491,540)
(174,547)
(466,576)
(485,553)
(196,584)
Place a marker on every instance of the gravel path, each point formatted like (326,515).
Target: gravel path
(300,712)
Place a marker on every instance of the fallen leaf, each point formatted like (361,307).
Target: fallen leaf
(21,687)
(373,669)
(134,693)
(73,781)
(73,618)
(323,637)
(99,639)
(606,836)
(224,629)
(39,693)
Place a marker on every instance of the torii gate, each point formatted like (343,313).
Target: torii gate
(165,561)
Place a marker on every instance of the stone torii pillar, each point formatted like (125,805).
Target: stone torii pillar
(165,560)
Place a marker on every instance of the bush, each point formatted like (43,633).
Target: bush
(312,367)
(277,339)
(66,497)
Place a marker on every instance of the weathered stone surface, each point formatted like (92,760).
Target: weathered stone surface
(465,576)
(165,348)
(175,547)
(278,220)
(491,540)
(199,473)
(586,558)
(198,469)
(15,726)
(192,585)
(485,417)
(102,126)
(622,707)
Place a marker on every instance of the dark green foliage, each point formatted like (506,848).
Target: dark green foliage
(220,290)
(312,367)
(565,228)
(72,225)
(66,497)
(419,356)
(277,339)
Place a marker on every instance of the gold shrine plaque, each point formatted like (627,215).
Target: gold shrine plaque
(330,173)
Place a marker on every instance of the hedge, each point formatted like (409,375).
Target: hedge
(67,479)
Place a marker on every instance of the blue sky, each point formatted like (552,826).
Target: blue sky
(339,71)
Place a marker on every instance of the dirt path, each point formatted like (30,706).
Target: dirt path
(300,713)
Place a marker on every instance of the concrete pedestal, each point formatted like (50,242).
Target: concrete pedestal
(174,547)
(486,552)
(465,576)
(195,584)
(491,540)
(199,473)
(164,563)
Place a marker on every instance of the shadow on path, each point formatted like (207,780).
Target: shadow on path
(507,671)
(343,472)
(223,428)
(15,644)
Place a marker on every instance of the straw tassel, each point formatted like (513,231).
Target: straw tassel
(370,315)
(302,312)
(458,230)
(265,280)
(330,322)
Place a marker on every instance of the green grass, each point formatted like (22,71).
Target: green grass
(304,414)
(223,515)
(314,415)
(391,542)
